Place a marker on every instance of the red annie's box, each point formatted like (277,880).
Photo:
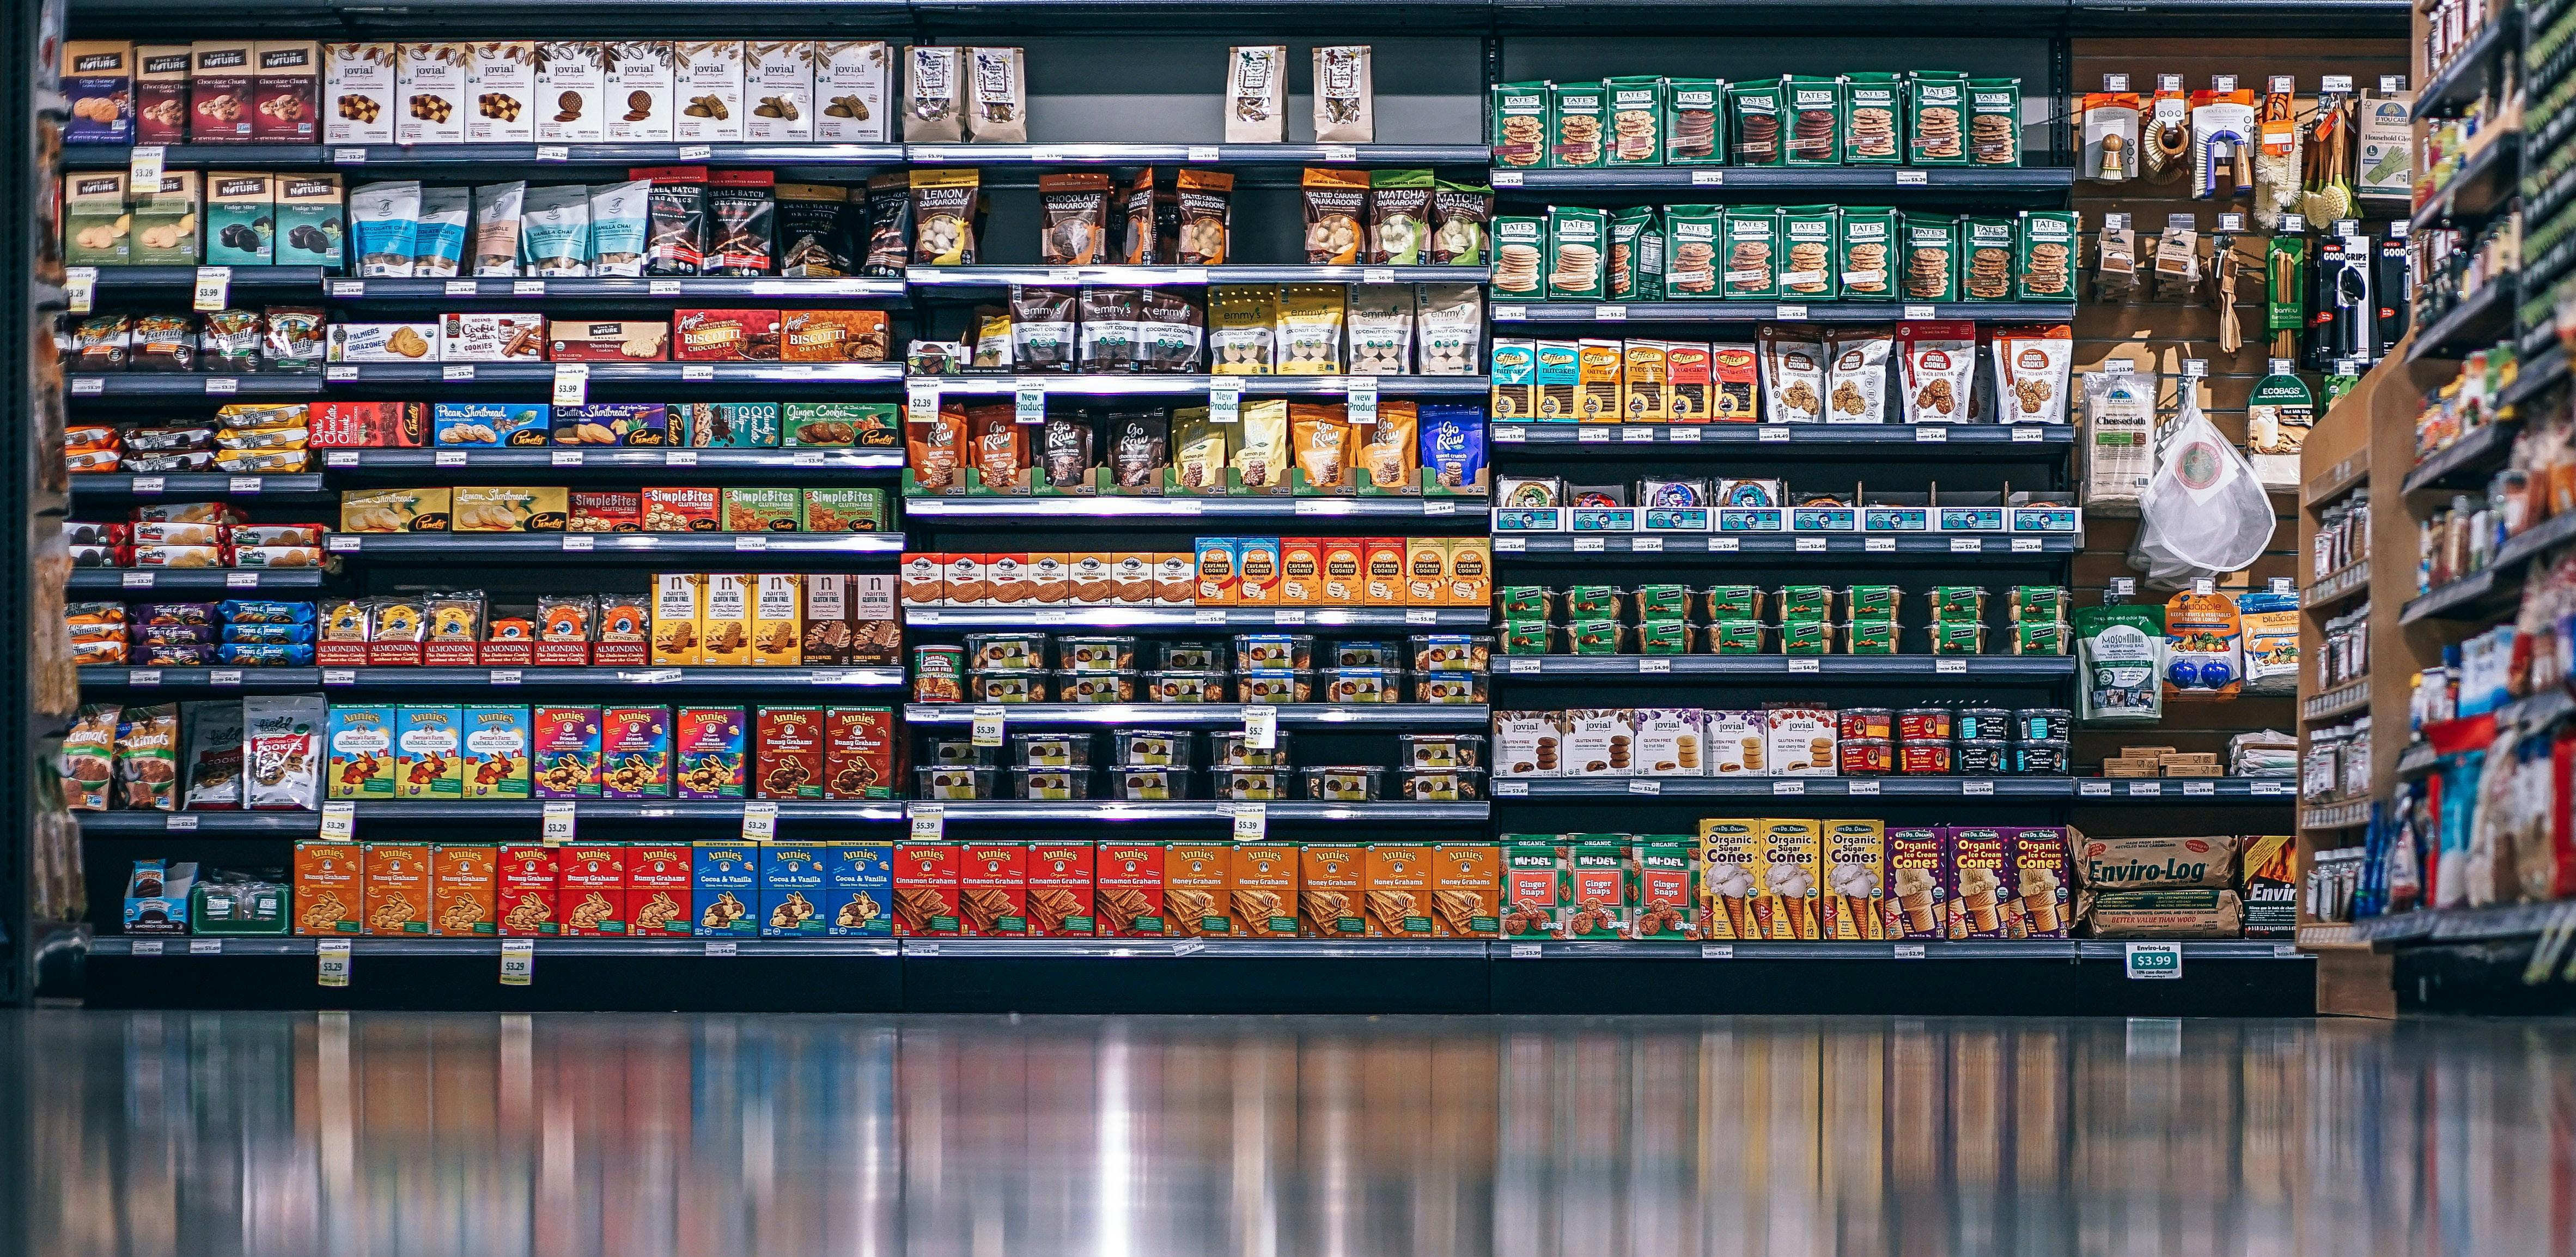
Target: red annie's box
(925,890)
(1060,893)
(993,890)
(657,890)
(593,895)
(527,892)
(858,753)
(1129,890)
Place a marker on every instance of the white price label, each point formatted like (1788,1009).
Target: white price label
(1811,545)
(1592,436)
(1878,545)
(579,543)
(1967,545)
(566,458)
(1921,312)
(224,676)
(1261,727)
(554,152)
(1648,666)
(1420,617)
(1377,274)
(348,157)
(179,820)
(1511,314)
(1645,786)
(1708,178)
(1207,616)
(2146,789)
(1950,667)
(696,152)
(1251,822)
(680,458)
(753,542)
(137,580)
(1507,179)
(1806,666)
(528,288)
(2091,789)
(339,821)
(333,955)
(1931,434)
(80,288)
(241,580)
(1771,432)
(2153,960)
(1513,435)
(1861,787)
(921,401)
(451,458)
(988,727)
(1790,314)
(1909,951)
(2200,788)
(2026,545)
(662,287)
(462,288)
(806,458)
(1637,435)
(1511,545)
(1912,178)
(245,484)
(1723,545)
(146,484)
(340,458)
(1646,545)
(1438,506)
(719,948)
(1204,152)
(518,961)
(2024,434)
(1511,789)
(1788,787)
(339,676)
(929,821)
(1979,786)
(759,822)
(143,676)
(1028,402)
(456,371)
(1590,545)
(1288,617)
(222,385)
(505,676)
(1610,314)
(557,828)
(348,288)
(697,372)
(1361,403)
(1690,435)
(205,947)
(1717,951)
(143,166)
(572,385)
(1341,152)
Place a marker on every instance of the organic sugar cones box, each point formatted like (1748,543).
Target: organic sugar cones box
(1917,886)
(1728,852)
(1855,866)
(1786,879)
(1980,861)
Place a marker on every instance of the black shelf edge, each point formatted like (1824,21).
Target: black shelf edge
(463,547)
(359,158)
(189,579)
(2533,377)
(1003,948)
(1198,617)
(122,486)
(594,461)
(540,374)
(2105,791)
(497,681)
(1187,385)
(1071,511)
(1079,154)
(1910,668)
(1608,438)
(2485,183)
(1210,715)
(190,384)
(2460,925)
(2468,461)
(290,824)
(2460,599)
(2481,320)
(2018,181)
(667,288)
(1507,309)
(1208,811)
(998,276)
(1985,545)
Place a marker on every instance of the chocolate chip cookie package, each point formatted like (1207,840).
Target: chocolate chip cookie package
(1808,237)
(1694,126)
(1931,257)
(1866,253)
(1872,106)
(1577,239)
(1815,109)
(1752,240)
(1753,122)
(1575,125)
(2044,256)
(1987,247)
(1936,118)
(1994,122)
(1636,109)
(1520,124)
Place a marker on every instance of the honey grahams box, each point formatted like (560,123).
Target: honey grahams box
(724,889)
(464,890)
(396,888)
(1263,889)
(1194,889)
(1785,880)
(1060,890)
(1918,882)
(860,885)
(1395,890)
(1978,865)
(993,890)
(1466,890)
(1729,853)
(1533,886)
(529,891)
(1128,882)
(925,890)
(592,881)
(1331,878)
(658,877)
(1855,889)
(329,898)
(792,891)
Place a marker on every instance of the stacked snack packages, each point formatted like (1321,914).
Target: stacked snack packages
(194,535)
(1866,880)
(236,633)
(713,619)
(260,753)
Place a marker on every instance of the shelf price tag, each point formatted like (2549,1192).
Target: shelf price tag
(756,542)
(143,676)
(1967,545)
(1251,821)
(558,825)
(224,676)
(146,484)
(2025,545)
(1204,153)
(179,821)
(1724,545)
(1261,727)
(137,580)
(1521,666)
(1806,665)
(1341,152)
(921,401)
(1811,545)
(929,821)
(1779,788)
(1361,403)
(554,152)
(348,157)
(1028,402)
(1708,178)
(2200,787)
(2090,789)
(572,384)
(1610,314)
(1646,666)
(505,676)
(680,458)
(988,727)
(1646,785)
(1502,178)
(2153,960)
(1861,787)
(1225,402)
(220,384)
(143,166)
(566,458)
(455,372)
(518,961)
(80,287)
(339,821)
(1790,314)
(1912,178)
(1977,786)
(720,948)
(1645,545)
(528,288)
(1931,434)
(1909,951)
(1688,435)
(1717,951)
(1590,545)
(759,822)
(333,969)
(1950,667)
(1377,274)
(697,372)
(579,543)
(1771,433)
(205,947)
(1921,312)
(2146,789)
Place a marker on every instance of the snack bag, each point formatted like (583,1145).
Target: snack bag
(2204,644)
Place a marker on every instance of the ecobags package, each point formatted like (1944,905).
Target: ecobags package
(2120,650)
(2203,513)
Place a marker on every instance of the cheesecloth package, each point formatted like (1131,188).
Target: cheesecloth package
(2203,513)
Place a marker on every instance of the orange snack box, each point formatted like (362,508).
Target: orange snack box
(464,886)
(1328,900)
(1396,891)
(1301,571)
(1426,571)
(1345,571)
(1263,889)
(1471,571)
(1195,881)
(1256,565)
(328,894)
(1383,572)
(1219,585)
(397,888)
(529,892)
(1466,890)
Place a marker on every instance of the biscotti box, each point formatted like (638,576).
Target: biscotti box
(706,82)
(850,92)
(572,92)
(503,83)
(358,93)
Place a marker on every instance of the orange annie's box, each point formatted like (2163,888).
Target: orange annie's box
(464,882)
(1466,890)
(1395,895)
(328,899)
(1263,889)
(528,893)
(1328,898)
(397,888)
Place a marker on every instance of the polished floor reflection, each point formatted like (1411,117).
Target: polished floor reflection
(376,1135)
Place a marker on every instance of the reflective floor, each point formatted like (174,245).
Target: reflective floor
(372,1135)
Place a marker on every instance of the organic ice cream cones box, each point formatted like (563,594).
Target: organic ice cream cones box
(2038,879)
(1729,850)
(1918,882)
(1785,880)
(1980,861)
(1855,887)
(1662,877)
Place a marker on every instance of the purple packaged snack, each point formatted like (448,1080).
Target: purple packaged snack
(171,613)
(196,656)
(1980,862)
(170,634)
(1453,445)
(248,634)
(2037,873)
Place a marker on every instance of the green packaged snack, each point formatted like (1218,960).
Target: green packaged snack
(1694,130)
(1691,235)
(2039,602)
(1636,256)
(1576,241)
(1520,124)
(1525,637)
(2285,260)
(1873,602)
(1520,257)
(1575,126)
(1735,637)
(1806,251)
(1865,253)
(1957,637)
(1594,637)
(762,510)
(1523,602)
(1815,109)
(1663,602)
(1931,257)
(1988,245)
(1591,602)
(1936,111)
(1753,122)
(841,425)
(1994,122)
(164,227)
(1871,105)
(846,510)
(1663,637)
(1734,602)
(1871,637)
(1806,602)
(2040,637)
(97,229)
(1636,108)
(1460,213)
(1752,240)
(1806,637)
(1956,602)
(2044,256)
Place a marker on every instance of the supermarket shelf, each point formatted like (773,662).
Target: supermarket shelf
(119,486)
(2537,711)
(2467,462)
(1506,311)
(1211,715)
(675,288)
(1184,948)
(591,463)
(1197,617)
(358,160)
(2263,790)
(2342,700)
(189,579)
(2478,321)
(2536,375)
(114,280)
(119,945)
(2212,949)
(1952,182)
(460,547)
(288,824)
(2482,186)
(1992,545)
(2461,925)
(2464,78)
(1907,668)
(2352,580)
(1747,787)
(1150,276)
(1979,440)
(542,374)
(1146,385)
(1121,510)
(2417,759)
(189,384)
(2335,816)
(1198,154)
(2468,598)
(682,679)
(1111,812)
(1755,950)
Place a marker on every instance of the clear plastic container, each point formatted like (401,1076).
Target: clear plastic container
(1443,785)
(1097,654)
(1363,685)
(1925,724)
(1343,783)
(1051,750)
(1442,750)
(954,782)
(1866,757)
(1866,722)
(2044,758)
(1150,748)
(1452,652)
(995,652)
(1367,655)
(1189,687)
(1447,688)
(1051,785)
(1192,656)
(1250,785)
(1275,687)
(1009,687)
(1272,652)
(960,751)
(1925,759)
(1232,750)
(1150,785)
(1095,687)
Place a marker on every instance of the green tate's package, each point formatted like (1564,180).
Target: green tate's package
(1636,121)
(1694,122)
(1936,118)
(1575,125)
(1752,244)
(1987,244)
(1520,256)
(1753,122)
(1931,257)
(1806,252)
(1636,256)
(1520,124)
(1691,236)
(2044,256)
(1867,253)
(1994,122)
(1873,105)
(1815,120)
(1577,239)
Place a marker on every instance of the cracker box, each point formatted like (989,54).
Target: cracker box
(1597,893)
(1533,886)
(1331,879)
(1263,891)
(1664,883)
(564,750)
(707,746)
(778,620)
(1395,890)
(925,890)
(529,892)
(724,628)
(1785,902)
(571,92)
(724,889)
(220,75)
(430,88)
(286,92)
(657,890)
(615,340)
(993,890)
(329,899)
(591,889)
(1730,853)
(788,753)
(1855,880)
(858,753)
(635,753)
(464,890)
(429,753)
(859,890)
(161,94)
(358,93)
(496,752)
(359,746)
(1979,862)
(1061,897)
(682,510)
(1466,890)
(2038,880)
(396,888)
(1128,886)
(850,91)
(793,889)
(1918,882)
(1195,882)
(640,79)
(502,79)
(98,79)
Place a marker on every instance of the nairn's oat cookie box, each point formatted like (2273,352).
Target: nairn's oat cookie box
(724,889)
(1918,883)
(1730,852)
(1855,881)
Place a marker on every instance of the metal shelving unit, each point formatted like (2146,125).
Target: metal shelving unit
(1209,715)
(1197,617)
(595,464)
(468,547)
(497,680)
(192,580)
(1975,440)
(1128,510)
(120,486)
(1895,669)
(1511,309)
(1833,545)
